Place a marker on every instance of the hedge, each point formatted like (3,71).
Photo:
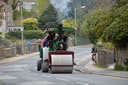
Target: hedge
(28,34)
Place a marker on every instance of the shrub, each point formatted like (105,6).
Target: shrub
(11,35)
(126,68)
(108,45)
(30,24)
(28,34)
(119,68)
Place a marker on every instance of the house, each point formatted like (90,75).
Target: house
(28,4)
(6,17)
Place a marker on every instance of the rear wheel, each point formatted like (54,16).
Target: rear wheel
(45,66)
(39,65)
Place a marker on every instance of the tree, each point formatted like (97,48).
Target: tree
(118,29)
(13,3)
(88,27)
(42,5)
(120,3)
(68,23)
(48,19)
(30,24)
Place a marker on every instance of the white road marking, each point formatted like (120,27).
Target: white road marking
(37,83)
(62,79)
(82,83)
(13,66)
(18,66)
(46,76)
(16,69)
(7,77)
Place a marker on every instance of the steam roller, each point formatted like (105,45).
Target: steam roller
(54,56)
(61,61)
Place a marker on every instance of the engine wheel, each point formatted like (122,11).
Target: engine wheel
(45,66)
(39,65)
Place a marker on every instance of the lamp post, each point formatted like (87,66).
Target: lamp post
(76,23)
(22,29)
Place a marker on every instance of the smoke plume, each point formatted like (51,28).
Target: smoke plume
(62,8)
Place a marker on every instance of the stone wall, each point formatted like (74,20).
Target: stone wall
(7,52)
(123,57)
(105,57)
(10,50)
(32,47)
(29,46)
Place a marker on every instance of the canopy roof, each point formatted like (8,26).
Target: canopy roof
(64,29)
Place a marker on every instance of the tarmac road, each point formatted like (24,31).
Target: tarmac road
(23,72)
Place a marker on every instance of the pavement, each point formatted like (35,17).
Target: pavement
(18,57)
(84,65)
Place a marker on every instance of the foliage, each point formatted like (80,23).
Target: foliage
(30,24)
(68,23)
(104,20)
(117,32)
(42,5)
(126,68)
(13,3)
(108,45)
(120,3)
(28,34)
(31,34)
(108,27)
(48,19)
(119,68)
(26,14)
(90,23)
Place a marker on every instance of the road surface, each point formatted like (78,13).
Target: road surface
(24,72)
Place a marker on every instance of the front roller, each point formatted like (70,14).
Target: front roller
(61,69)
(61,61)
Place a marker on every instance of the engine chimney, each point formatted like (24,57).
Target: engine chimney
(60,32)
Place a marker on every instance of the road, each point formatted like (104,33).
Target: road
(24,72)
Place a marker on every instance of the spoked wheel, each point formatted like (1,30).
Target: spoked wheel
(45,66)
(39,65)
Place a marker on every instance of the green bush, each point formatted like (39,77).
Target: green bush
(28,34)
(26,14)
(126,68)
(30,24)
(108,45)
(119,68)
(11,35)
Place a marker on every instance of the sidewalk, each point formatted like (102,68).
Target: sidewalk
(88,67)
(19,57)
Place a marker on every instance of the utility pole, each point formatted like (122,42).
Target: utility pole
(75,28)
(76,23)
(22,29)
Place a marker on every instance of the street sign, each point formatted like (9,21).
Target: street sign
(13,28)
